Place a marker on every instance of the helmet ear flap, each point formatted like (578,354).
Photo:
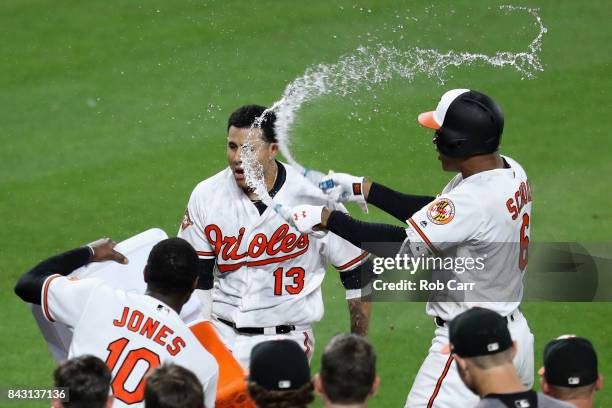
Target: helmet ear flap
(449,143)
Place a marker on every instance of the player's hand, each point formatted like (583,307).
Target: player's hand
(306,217)
(314,176)
(103,250)
(343,187)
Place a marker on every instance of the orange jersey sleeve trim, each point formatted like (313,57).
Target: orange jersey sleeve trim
(347,265)
(45,293)
(205,253)
(306,341)
(439,383)
(422,234)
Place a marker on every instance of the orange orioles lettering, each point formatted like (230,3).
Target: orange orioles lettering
(137,322)
(521,198)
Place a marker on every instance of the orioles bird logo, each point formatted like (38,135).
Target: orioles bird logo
(441,211)
(186,220)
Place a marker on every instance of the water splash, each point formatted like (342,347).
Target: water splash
(368,67)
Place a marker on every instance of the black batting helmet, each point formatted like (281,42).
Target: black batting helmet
(467,123)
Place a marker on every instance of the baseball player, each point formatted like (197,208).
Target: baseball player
(173,386)
(482,348)
(483,213)
(87,380)
(131,332)
(570,371)
(261,278)
(279,375)
(347,376)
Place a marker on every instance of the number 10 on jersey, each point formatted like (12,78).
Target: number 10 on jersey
(126,367)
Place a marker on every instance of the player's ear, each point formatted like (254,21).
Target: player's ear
(375,386)
(318,385)
(273,149)
(599,382)
(109,401)
(544,385)
(460,362)
(56,403)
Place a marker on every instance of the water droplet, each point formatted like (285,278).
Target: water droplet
(371,66)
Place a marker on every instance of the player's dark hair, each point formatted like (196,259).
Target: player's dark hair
(87,380)
(567,393)
(245,116)
(172,266)
(492,360)
(298,398)
(173,386)
(348,369)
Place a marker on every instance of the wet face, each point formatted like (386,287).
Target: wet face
(265,153)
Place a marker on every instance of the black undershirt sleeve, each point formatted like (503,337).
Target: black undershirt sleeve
(358,277)
(401,206)
(205,273)
(366,235)
(29,286)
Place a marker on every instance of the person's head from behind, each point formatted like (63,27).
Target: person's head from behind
(570,370)
(279,375)
(468,124)
(481,344)
(348,371)
(264,142)
(173,386)
(87,383)
(172,269)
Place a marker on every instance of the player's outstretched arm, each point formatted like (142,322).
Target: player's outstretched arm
(349,188)
(365,235)
(29,286)
(401,206)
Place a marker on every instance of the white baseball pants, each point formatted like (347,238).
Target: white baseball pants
(241,344)
(438,385)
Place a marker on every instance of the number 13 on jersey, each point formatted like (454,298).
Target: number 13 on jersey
(296,277)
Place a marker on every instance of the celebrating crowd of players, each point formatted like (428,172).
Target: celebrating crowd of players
(258,281)
(279,375)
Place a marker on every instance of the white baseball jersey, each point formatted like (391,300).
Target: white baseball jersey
(267,273)
(125,277)
(131,332)
(485,216)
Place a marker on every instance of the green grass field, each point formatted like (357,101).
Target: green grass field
(113,111)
